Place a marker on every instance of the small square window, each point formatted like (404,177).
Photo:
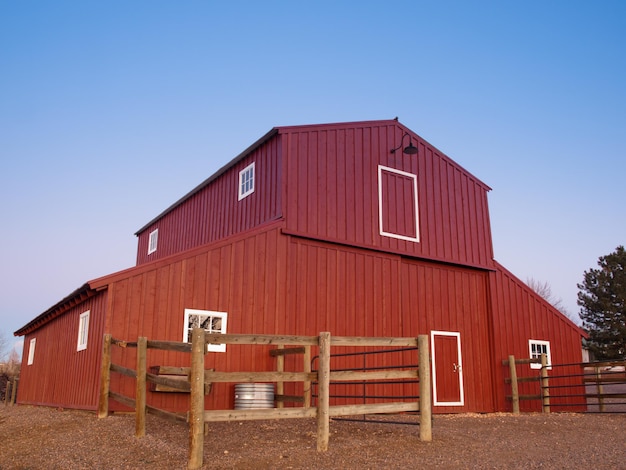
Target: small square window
(246,181)
(153,240)
(536,349)
(31,351)
(83,331)
(211,322)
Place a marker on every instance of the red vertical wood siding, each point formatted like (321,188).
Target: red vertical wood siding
(331,176)
(60,375)
(270,283)
(213,212)
(519,314)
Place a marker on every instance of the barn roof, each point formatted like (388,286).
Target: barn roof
(78,296)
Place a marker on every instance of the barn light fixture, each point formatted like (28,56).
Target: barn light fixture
(409,149)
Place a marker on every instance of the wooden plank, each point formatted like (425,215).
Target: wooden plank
(177,417)
(170,346)
(373,408)
(123,370)
(345,376)
(306,362)
(288,398)
(280,367)
(425,401)
(196,407)
(253,415)
(268,376)
(124,400)
(171,370)
(140,389)
(216,338)
(372,341)
(323,399)
(105,377)
(284,351)
(514,384)
(172,383)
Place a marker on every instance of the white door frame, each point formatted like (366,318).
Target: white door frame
(459,368)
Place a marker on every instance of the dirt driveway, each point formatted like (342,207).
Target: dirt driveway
(45,438)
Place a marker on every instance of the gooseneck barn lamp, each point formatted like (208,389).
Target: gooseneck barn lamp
(409,149)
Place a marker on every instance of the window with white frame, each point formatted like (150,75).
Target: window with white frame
(83,331)
(397,204)
(246,181)
(536,349)
(153,240)
(211,322)
(31,351)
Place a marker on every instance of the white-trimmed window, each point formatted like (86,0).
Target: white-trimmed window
(246,181)
(31,351)
(153,240)
(83,331)
(397,204)
(536,348)
(211,322)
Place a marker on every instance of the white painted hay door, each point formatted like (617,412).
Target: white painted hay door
(447,368)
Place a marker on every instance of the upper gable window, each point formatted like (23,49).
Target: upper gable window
(397,204)
(83,331)
(153,240)
(246,181)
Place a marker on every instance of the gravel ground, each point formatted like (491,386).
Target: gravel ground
(47,438)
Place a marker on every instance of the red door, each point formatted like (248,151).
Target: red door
(447,368)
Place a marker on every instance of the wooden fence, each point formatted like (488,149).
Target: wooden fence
(582,387)
(199,379)
(10,393)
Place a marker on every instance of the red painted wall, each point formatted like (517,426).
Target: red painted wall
(519,314)
(213,212)
(60,375)
(324,179)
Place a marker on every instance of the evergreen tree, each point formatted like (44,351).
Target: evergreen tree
(602,298)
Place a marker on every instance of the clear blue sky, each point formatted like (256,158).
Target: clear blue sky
(110,111)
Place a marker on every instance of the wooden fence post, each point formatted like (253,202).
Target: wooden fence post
(105,377)
(196,411)
(140,394)
(514,384)
(323,400)
(16,380)
(307,383)
(6,393)
(599,388)
(545,391)
(280,367)
(425,403)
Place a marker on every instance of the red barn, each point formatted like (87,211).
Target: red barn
(311,228)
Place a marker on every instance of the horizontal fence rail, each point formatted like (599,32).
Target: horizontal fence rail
(588,387)
(196,381)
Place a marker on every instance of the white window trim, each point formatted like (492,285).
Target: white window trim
(246,172)
(83,331)
(153,241)
(31,351)
(383,233)
(539,342)
(205,313)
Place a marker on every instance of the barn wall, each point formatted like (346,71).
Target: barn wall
(270,283)
(519,314)
(213,212)
(332,182)
(60,375)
